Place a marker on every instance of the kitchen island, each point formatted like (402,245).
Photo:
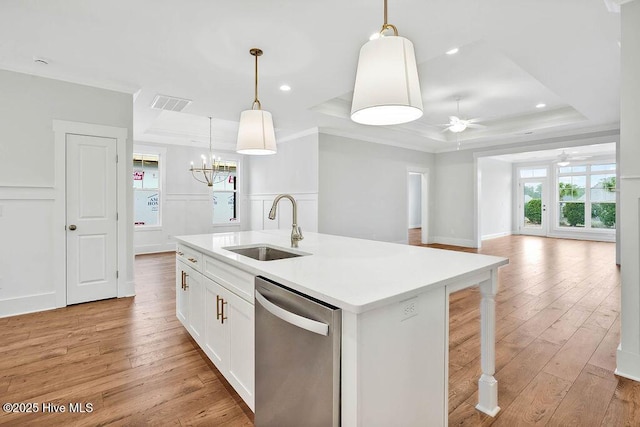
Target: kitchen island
(395,301)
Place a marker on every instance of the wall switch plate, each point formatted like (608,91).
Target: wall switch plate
(408,308)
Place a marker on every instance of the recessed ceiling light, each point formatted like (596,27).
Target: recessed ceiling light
(452,51)
(541,105)
(285,88)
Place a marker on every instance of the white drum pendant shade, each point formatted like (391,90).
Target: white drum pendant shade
(387,89)
(255,134)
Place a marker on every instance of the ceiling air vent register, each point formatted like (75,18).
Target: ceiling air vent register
(169,103)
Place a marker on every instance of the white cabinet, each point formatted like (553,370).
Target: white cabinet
(241,347)
(214,302)
(190,299)
(216,340)
(229,337)
(182,295)
(195,288)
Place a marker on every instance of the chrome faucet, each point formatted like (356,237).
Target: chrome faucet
(296,232)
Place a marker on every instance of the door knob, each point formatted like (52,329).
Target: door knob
(72,227)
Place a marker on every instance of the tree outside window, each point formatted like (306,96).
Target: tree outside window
(595,208)
(603,201)
(533,204)
(225,191)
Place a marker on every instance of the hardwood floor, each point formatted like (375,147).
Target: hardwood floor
(129,357)
(557,330)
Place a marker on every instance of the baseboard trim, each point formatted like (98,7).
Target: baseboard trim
(496,235)
(127,290)
(27,304)
(628,365)
(154,249)
(466,243)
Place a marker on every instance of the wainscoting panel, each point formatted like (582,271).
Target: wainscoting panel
(260,204)
(26,266)
(182,214)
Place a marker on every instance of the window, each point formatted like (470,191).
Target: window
(533,173)
(146,189)
(225,189)
(586,196)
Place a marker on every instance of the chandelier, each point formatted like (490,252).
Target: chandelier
(212,171)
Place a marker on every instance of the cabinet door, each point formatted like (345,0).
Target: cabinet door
(195,288)
(240,324)
(216,343)
(182,295)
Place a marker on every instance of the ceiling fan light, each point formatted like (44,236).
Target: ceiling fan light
(256,135)
(564,163)
(457,127)
(387,88)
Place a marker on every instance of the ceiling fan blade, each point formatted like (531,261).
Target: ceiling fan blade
(475,126)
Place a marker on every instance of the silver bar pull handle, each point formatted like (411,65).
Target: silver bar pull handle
(299,321)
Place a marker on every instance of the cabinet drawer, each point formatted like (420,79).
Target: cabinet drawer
(189,256)
(237,281)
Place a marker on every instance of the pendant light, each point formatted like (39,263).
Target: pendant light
(387,89)
(256,135)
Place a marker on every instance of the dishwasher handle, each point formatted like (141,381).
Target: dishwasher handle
(294,319)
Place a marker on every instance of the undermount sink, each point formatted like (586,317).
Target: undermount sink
(263,252)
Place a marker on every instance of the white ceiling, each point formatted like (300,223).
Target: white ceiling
(513,55)
(580,153)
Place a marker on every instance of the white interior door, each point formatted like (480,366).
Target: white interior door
(532,206)
(91,218)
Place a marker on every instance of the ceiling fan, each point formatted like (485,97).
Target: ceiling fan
(565,160)
(457,125)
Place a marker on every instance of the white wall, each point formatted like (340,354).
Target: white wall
(186,203)
(293,170)
(28,106)
(628,356)
(454,199)
(363,188)
(415,200)
(456,183)
(495,197)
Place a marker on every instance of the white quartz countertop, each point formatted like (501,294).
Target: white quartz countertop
(354,274)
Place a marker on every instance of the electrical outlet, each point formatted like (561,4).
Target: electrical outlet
(408,308)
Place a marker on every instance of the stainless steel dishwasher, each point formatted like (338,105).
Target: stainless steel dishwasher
(297,358)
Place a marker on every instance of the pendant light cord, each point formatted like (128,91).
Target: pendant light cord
(210,132)
(256,52)
(386,26)
(385,14)
(255,100)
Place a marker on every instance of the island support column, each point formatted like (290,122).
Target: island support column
(487,384)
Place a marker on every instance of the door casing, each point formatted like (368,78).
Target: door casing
(61,128)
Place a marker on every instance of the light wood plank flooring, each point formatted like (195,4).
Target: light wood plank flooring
(557,330)
(129,357)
